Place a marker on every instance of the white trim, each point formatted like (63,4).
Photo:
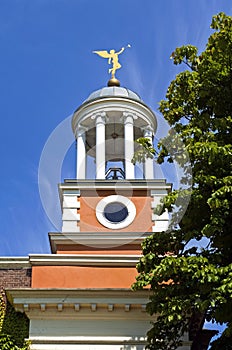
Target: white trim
(32,299)
(83,260)
(87,343)
(73,186)
(89,339)
(96,239)
(83,294)
(112,199)
(114,104)
(14,262)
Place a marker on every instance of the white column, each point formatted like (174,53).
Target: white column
(149,163)
(129,145)
(100,145)
(81,153)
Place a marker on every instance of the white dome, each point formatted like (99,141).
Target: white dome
(116,91)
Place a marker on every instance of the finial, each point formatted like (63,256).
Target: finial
(112,59)
(113,82)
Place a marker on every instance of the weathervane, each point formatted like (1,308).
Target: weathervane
(112,59)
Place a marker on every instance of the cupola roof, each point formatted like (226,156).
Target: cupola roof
(113,91)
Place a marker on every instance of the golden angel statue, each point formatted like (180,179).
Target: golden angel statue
(112,59)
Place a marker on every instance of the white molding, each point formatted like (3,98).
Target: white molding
(89,339)
(96,239)
(116,104)
(89,304)
(12,262)
(87,343)
(72,193)
(83,259)
(160,192)
(57,295)
(159,186)
(83,237)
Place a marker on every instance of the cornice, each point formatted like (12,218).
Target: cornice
(119,184)
(82,260)
(99,303)
(74,186)
(109,103)
(96,239)
(90,340)
(123,341)
(85,293)
(13,262)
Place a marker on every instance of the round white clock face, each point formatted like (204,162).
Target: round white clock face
(115,212)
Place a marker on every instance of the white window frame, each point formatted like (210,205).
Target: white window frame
(100,208)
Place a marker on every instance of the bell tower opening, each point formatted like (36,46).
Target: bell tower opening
(115,173)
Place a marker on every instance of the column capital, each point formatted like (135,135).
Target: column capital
(148,131)
(80,130)
(128,117)
(99,117)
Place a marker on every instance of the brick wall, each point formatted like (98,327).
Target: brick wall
(15,278)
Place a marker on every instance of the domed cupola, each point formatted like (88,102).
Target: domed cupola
(106,126)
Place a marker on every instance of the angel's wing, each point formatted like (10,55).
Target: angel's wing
(103,54)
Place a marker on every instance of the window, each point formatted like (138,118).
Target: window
(115,212)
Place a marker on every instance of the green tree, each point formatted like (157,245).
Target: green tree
(14,326)
(189,281)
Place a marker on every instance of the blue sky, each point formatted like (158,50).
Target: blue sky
(47,69)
